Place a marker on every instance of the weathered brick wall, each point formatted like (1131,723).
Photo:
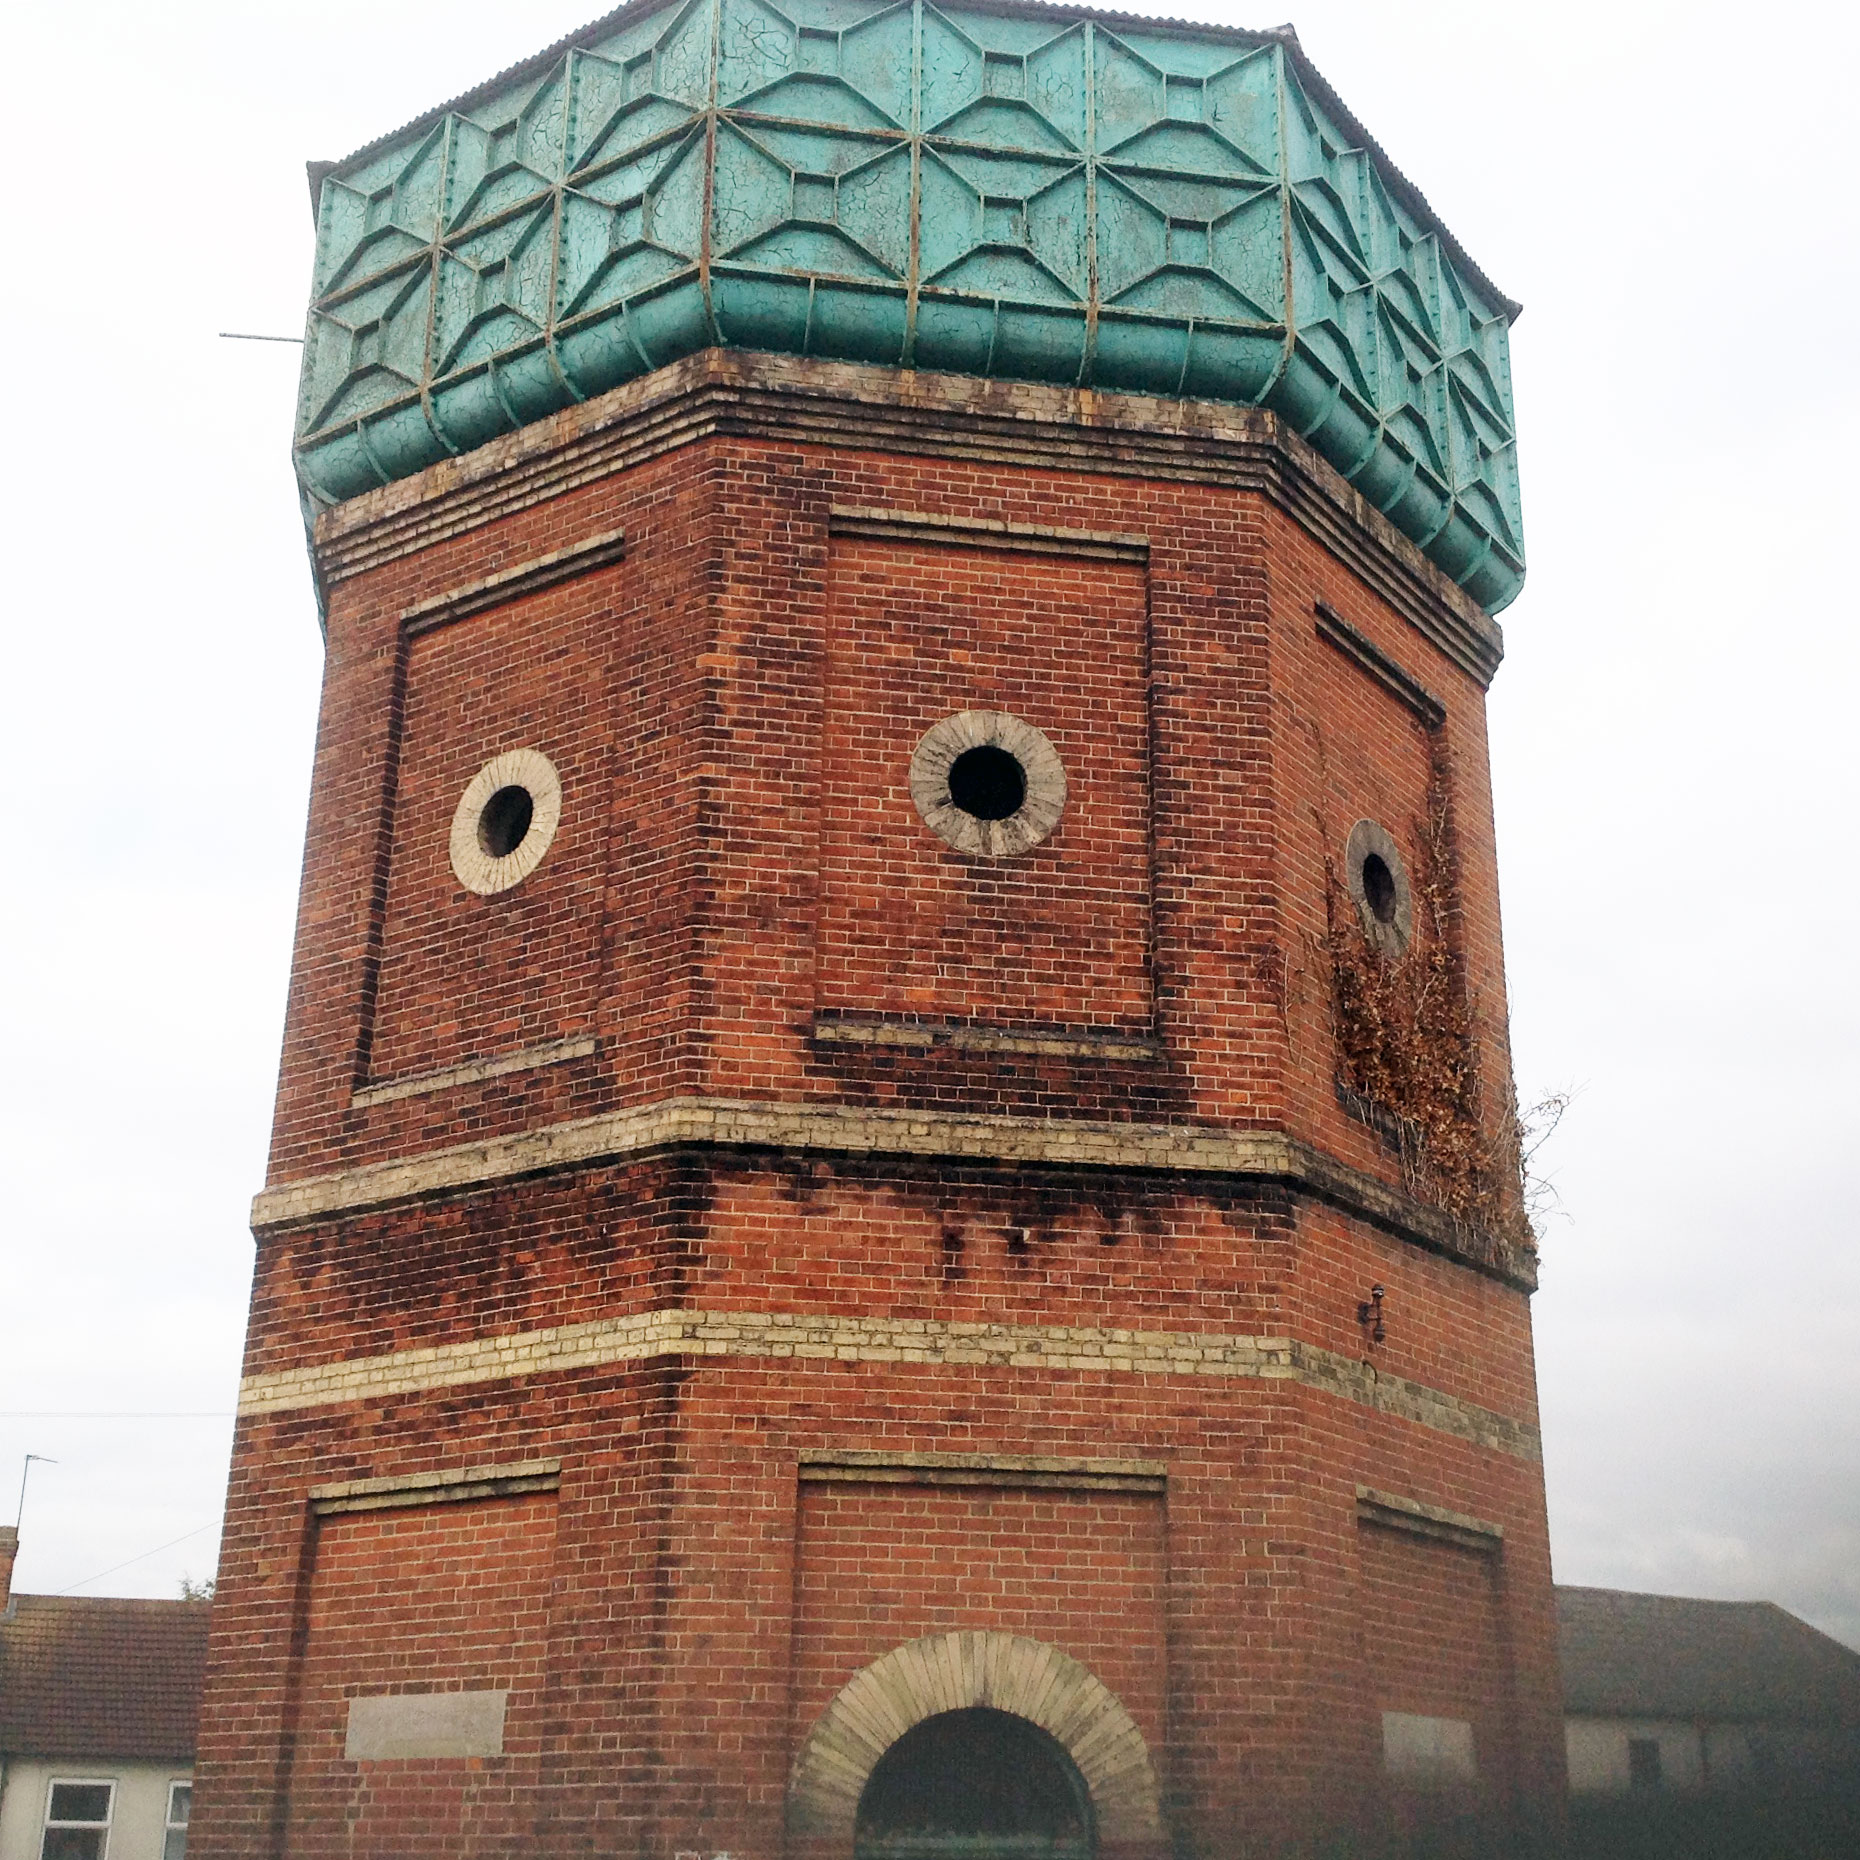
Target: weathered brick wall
(1345,748)
(441,1598)
(672,1332)
(459,984)
(958,1244)
(739,816)
(906,925)
(1433,1640)
(693,1641)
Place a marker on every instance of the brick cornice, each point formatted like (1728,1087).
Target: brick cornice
(922,526)
(829,1129)
(511,584)
(455,1486)
(741,393)
(864,1466)
(1394,1512)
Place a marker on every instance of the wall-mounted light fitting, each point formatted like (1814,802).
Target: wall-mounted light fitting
(1370,1311)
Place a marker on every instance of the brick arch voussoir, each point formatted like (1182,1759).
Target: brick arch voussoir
(951,1672)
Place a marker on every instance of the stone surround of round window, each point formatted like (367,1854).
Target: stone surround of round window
(1379,887)
(505,821)
(988,783)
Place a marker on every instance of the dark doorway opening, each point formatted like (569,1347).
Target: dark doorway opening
(978,1784)
(1644,1763)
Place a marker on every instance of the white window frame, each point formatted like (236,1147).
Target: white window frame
(169,1825)
(48,1826)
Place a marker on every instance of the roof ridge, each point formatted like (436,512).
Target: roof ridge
(118,1601)
(1690,1601)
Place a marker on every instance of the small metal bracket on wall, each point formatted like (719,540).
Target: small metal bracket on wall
(1370,1311)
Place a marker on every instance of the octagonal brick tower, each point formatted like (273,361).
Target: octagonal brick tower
(893,1226)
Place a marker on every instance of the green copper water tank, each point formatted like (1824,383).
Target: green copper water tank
(1031,192)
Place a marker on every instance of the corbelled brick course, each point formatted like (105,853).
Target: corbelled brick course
(686,1279)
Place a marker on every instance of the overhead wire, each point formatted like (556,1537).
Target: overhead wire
(142,1558)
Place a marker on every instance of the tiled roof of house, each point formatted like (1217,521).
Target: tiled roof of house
(1666,1656)
(95,1676)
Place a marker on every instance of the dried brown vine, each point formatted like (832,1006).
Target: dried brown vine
(1408,1056)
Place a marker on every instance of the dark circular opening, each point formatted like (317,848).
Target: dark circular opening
(1379,888)
(505,822)
(973,1785)
(987,782)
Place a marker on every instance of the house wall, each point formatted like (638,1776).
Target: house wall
(1705,1755)
(138,1828)
(1598,1753)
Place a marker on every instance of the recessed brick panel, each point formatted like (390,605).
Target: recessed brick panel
(1434,1643)
(465,977)
(881,1565)
(440,1598)
(908,925)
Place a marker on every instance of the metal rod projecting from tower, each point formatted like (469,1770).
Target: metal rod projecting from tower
(239,335)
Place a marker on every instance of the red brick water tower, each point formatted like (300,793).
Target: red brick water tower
(893,1226)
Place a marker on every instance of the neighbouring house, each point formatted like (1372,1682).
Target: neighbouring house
(1661,1692)
(99,1698)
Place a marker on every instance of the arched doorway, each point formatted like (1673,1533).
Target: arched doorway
(973,1669)
(975,1784)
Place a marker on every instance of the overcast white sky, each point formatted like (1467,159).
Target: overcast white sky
(1668,188)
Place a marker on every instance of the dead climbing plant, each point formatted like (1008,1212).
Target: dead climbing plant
(1408,1056)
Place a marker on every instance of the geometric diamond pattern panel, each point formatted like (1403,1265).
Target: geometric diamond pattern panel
(1148,207)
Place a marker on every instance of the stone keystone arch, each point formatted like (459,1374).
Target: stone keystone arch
(948,1672)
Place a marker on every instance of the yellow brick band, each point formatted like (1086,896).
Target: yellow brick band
(778,1335)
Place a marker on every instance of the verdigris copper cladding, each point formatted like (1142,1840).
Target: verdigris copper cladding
(1027,192)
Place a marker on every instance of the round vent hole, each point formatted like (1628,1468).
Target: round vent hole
(988,782)
(505,823)
(1379,889)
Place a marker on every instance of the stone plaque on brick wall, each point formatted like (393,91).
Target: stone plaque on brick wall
(426,1724)
(1426,1750)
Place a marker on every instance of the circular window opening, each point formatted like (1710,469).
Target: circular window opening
(1379,889)
(505,823)
(988,782)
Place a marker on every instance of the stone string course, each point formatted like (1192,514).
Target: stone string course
(930,526)
(1393,1512)
(1373,662)
(458,1486)
(920,1036)
(857,1466)
(512,584)
(553,1053)
(833,1129)
(648,1335)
